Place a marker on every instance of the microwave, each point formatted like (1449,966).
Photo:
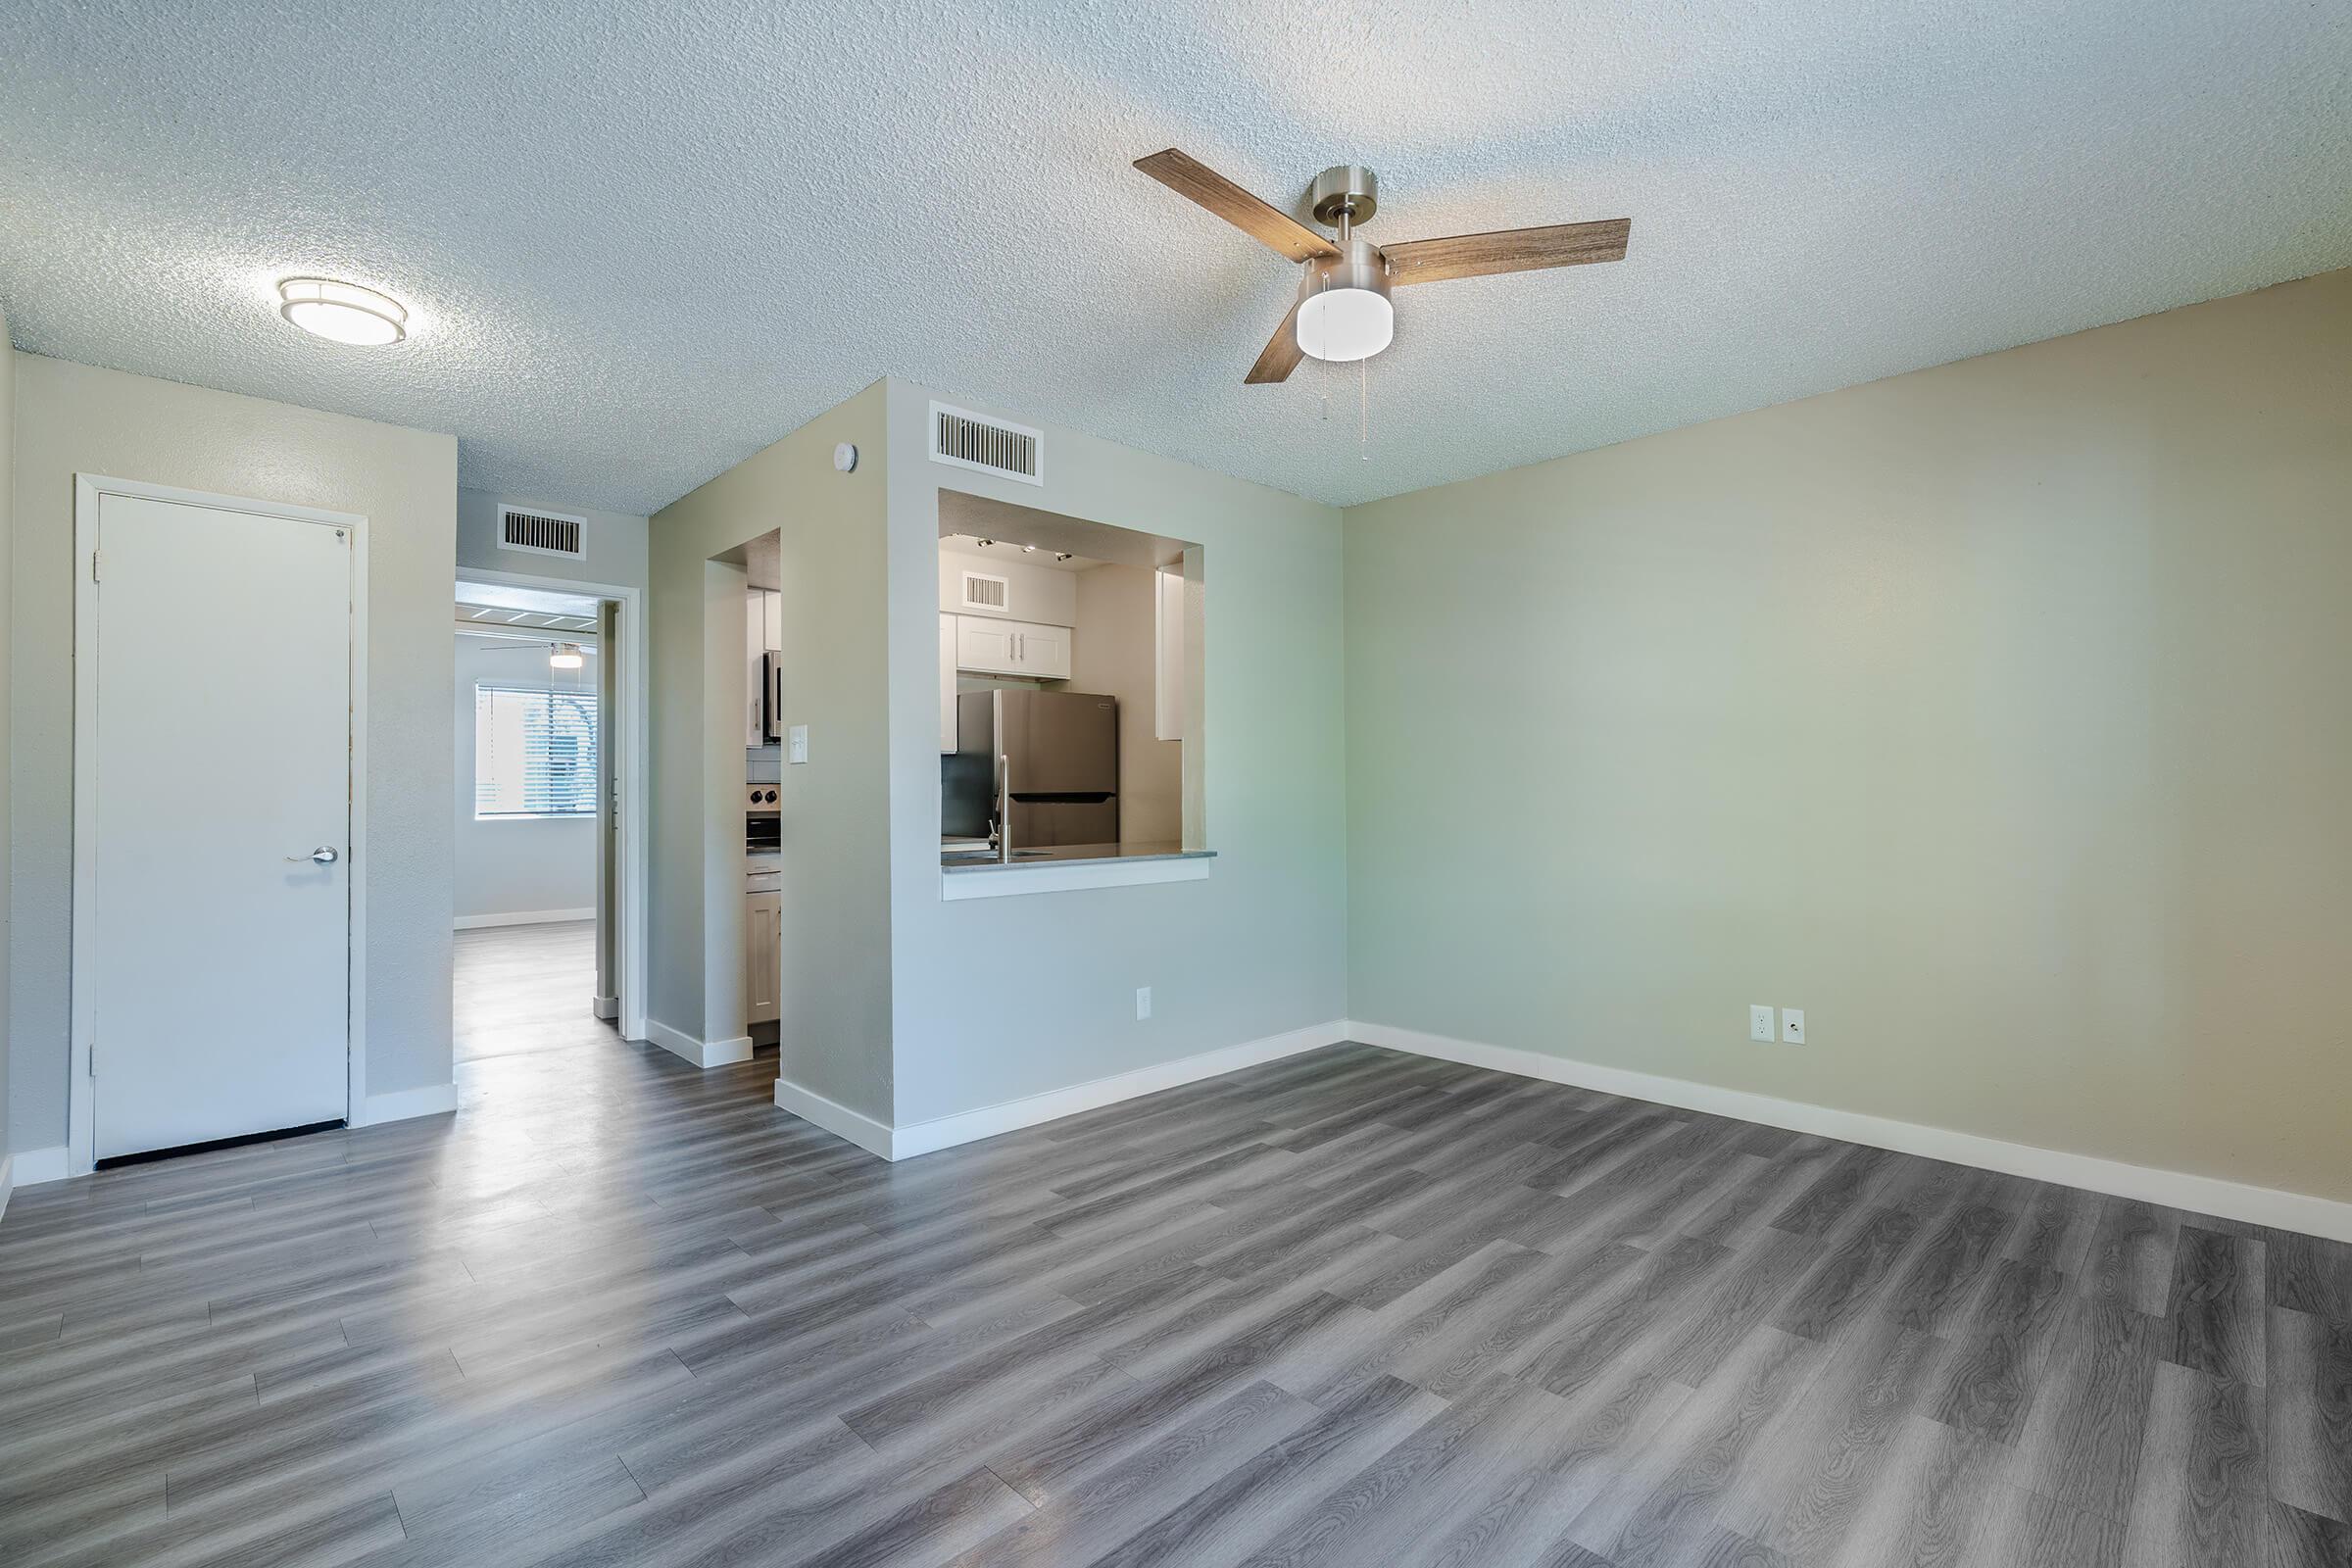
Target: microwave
(771,697)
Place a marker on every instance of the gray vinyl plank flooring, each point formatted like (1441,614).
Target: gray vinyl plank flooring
(1349,1308)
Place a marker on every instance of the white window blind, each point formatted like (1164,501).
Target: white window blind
(534,751)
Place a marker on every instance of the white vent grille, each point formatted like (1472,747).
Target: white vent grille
(541,533)
(983,592)
(964,439)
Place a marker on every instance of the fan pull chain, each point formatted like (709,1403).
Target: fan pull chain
(1363,410)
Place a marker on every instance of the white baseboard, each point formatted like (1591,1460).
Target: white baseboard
(834,1117)
(31,1167)
(433,1100)
(476,922)
(8,1181)
(605,1007)
(702,1053)
(968,1126)
(2202,1194)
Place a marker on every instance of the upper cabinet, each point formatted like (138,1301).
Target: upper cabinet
(762,634)
(1171,691)
(990,647)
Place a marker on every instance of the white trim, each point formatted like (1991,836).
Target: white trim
(81,1108)
(633,654)
(604,1007)
(1063,876)
(8,1181)
(702,1053)
(33,1167)
(2202,1194)
(837,1119)
(476,922)
(433,1100)
(968,1126)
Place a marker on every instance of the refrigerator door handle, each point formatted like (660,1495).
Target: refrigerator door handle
(1004,810)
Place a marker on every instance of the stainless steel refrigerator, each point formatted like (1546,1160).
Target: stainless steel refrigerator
(1055,754)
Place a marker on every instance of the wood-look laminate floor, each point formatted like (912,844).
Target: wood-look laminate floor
(1349,1308)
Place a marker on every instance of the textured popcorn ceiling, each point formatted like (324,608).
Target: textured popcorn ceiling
(643,240)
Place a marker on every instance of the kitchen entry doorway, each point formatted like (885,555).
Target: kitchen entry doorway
(218,703)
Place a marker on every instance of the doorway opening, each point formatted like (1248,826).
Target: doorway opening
(547,908)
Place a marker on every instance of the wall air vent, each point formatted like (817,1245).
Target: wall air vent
(541,533)
(964,439)
(984,591)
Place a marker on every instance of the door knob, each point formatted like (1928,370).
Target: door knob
(323,855)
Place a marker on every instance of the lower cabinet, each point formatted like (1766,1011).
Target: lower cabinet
(762,957)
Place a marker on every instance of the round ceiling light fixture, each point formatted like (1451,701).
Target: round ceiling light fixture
(342,313)
(1344,309)
(564,656)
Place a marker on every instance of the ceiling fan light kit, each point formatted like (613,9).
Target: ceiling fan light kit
(1343,311)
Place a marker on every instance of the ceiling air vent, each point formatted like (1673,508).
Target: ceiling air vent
(541,533)
(964,439)
(983,592)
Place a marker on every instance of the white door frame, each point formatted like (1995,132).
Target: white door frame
(81,1103)
(631,902)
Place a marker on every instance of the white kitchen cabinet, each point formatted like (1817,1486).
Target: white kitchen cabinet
(947,683)
(754,672)
(1170,694)
(988,647)
(985,647)
(1044,651)
(764,958)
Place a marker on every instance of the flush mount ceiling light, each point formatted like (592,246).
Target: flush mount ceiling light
(1343,310)
(564,656)
(343,313)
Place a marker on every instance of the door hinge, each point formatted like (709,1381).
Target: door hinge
(94,1058)
(93,566)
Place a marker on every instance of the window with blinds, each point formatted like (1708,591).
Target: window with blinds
(534,751)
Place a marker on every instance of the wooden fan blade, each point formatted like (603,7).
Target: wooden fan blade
(1506,250)
(1268,226)
(1281,354)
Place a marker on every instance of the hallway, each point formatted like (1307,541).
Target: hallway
(525,988)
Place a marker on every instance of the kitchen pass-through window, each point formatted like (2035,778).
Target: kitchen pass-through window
(534,751)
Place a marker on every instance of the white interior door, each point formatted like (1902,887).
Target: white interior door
(218,959)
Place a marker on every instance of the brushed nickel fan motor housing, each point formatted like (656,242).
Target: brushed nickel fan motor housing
(1357,265)
(1344,191)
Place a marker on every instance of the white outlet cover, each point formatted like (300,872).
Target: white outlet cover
(1759,1022)
(796,743)
(1792,1025)
(1143,1003)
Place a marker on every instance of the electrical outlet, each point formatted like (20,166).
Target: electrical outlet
(1792,1026)
(1759,1023)
(1143,1003)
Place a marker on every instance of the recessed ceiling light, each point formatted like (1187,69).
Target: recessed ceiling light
(342,312)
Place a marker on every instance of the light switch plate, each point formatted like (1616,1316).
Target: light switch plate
(1792,1026)
(1759,1022)
(1143,1003)
(796,743)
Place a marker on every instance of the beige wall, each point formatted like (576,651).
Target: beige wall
(834,1028)
(1996,714)
(1114,649)
(8,500)
(74,420)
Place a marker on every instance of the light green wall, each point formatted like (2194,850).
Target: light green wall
(73,418)
(835,808)
(1994,715)
(997,999)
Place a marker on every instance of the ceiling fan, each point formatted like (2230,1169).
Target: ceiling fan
(1343,310)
